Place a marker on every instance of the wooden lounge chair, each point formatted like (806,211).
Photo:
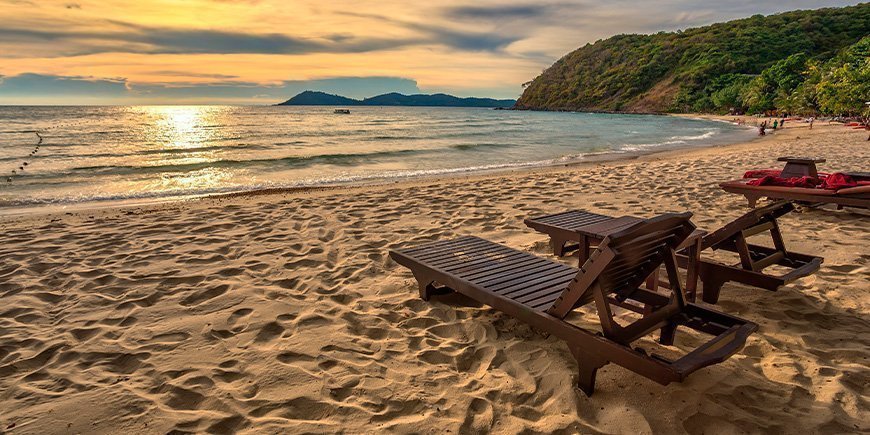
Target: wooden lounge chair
(572,226)
(542,293)
(858,197)
(754,258)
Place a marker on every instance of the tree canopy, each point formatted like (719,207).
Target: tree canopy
(798,62)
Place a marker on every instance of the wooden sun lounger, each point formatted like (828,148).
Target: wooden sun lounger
(858,197)
(574,226)
(754,258)
(542,293)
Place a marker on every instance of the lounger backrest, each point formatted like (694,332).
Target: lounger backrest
(624,260)
(751,218)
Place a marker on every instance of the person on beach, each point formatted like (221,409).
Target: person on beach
(761,128)
(812,118)
(774,124)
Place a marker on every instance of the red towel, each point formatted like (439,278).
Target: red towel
(760,173)
(837,181)
(770,180)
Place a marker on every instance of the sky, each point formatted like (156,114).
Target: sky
(265,51)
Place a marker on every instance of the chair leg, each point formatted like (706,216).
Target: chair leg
(587,366)
(668,332)
(752,200)
(712,287)
(425,285)
(558,246)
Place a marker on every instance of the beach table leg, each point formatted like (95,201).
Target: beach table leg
(694,254)
(583,250)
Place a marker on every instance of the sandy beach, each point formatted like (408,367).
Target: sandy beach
(282,312)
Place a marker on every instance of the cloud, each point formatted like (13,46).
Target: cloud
(33,84)
(131,38)
(507,12)
(450,37)
(123,37)
(49,89)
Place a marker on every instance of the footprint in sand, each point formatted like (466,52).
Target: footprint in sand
(202,296)
(170,337)
(236,317)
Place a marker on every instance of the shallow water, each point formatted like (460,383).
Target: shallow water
(156,152)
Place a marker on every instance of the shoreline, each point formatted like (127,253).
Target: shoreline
(374,181)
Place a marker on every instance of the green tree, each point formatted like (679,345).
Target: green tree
(772,89)
(845,85)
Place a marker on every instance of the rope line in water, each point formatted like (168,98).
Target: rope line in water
(32,154)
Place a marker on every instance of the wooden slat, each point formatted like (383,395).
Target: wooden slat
(767,261)
(524,286)
(576,221)
(503,265)
(553,290)
(755,229)
(443,258)
(482,275)
(437,245)
(534,270)
(471,246)
(450,247)
(481,260)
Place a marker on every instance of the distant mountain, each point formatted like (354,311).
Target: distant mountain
(812,61)
(316,98)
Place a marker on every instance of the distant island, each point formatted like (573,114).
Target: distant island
(801,62)
(316,98)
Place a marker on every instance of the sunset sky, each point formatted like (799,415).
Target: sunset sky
(264,51)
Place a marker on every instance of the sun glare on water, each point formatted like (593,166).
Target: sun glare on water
(186,135)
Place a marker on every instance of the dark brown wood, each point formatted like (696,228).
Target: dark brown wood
(857,197)
(731,237)
(754,258)
(530,296)
(800,167)
(590,235)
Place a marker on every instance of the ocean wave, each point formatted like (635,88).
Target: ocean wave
(474,146)
(706,135)
(305,183)
(297,161)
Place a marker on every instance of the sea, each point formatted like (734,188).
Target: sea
(68,157)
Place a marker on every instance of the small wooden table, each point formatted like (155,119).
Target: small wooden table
(589,229)
(799,166)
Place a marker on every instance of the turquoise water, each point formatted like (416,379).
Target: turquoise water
(154,152)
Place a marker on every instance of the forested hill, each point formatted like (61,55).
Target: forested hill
(811,61)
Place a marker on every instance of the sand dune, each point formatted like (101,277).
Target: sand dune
(282,313)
